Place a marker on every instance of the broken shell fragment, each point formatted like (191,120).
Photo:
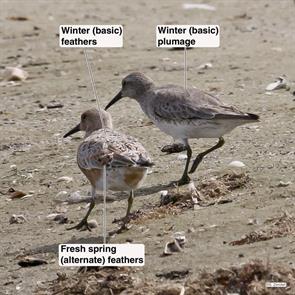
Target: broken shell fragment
(15,194)
(172,247)
(205,66)
(236,164)
(92,223)
(19,219)
(182,157)
(67,179)
(14,74)
(176,245)
(280,83)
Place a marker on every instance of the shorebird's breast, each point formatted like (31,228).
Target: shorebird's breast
(118,179)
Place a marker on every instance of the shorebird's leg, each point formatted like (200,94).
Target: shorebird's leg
(130,202)
(185,179)
(174,148)
(200,156)
(84,222)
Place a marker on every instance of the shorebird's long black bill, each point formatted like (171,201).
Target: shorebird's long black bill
(74,130)
(114,100)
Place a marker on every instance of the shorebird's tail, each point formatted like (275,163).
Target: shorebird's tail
(253,117)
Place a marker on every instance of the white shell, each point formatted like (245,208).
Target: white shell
(236,164)
(163,193)
(207,65)
(67,179)
(202,6)
(280,83)
(14,74)
(182,157)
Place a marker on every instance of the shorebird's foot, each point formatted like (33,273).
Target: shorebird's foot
(173,148)
(184,180)
(82,225)
(124,225)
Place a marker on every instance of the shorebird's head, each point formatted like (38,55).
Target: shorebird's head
(92,120)
(133,86)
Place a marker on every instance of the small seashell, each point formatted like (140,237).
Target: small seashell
(76,197)
(13,167)
(67,179)
(212,226)
(172,247)
(182,157)
(92,223)
(280,83)
(252,221)
(15,194)
(180,238)
(170,289)
(163,193)
(278,247)
(59,217)
(284,184)
(191,230)
(14,74)
(17,219)
(236,164)
(205,66)
(61,194)
(202,6)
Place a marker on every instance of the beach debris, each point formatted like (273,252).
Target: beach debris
(14,74)
(284,184)
(174,274)
(182,157)
(236,164)
(55,105)
(280,83)
(60,218)
(92,223)
(29,261)
(170,289)
(252,221)
(276,227)
(14,194)
(251,277)
(61,195)
(18,219)
(205,66)
(66,179)
(176,245)
(18,18)
(202,6)
(76,197)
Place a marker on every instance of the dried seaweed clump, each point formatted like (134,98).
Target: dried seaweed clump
(277,227)
(249,279)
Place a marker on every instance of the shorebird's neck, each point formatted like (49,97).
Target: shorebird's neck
(89,132)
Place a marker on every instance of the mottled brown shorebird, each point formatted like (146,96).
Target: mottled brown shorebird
(183,114)
(125,158)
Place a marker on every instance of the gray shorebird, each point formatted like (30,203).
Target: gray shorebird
(183,114)
(125,158)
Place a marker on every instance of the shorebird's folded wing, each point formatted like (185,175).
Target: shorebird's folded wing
(178,104)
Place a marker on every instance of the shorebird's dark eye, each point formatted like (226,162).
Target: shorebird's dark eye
(124,83)
(83,117)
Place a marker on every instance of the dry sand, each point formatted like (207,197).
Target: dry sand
(257,45)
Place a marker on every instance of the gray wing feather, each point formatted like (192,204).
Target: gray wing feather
(178,104)
(111,148)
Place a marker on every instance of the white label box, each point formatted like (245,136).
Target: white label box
(168,36)
(89,36)
(101,255)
